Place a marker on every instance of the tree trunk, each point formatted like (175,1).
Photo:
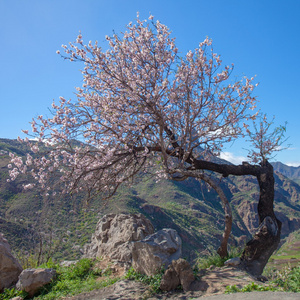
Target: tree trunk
(222,250)
(265,241)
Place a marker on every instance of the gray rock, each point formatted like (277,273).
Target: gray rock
(114,236)
(156,251)
(233,262)
(31,280)
(10,268)
(68,263)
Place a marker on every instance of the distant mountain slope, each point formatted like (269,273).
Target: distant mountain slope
(189,206)
(290,172)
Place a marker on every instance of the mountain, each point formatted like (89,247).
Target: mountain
(65,223)
(292,173)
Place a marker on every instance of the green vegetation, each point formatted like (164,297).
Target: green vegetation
(84,276)
(78,278)
(251,287)
(287,280)
(11,293)
(214,259)
(81,277)
(152,281)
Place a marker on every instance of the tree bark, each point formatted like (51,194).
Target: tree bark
(266,240)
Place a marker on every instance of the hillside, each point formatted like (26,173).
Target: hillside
(292,173)
(66,222)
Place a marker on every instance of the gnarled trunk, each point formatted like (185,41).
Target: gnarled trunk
(265,241)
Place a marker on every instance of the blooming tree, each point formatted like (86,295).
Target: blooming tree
(145,108)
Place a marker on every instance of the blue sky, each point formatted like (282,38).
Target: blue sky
(260,37)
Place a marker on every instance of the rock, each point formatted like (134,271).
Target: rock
(179,272)
(156,251)
(30,280)
(233,262)
(114,236)
(10,268)
(185,273)
(170,280)
(68,263)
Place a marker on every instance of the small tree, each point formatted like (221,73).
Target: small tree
(144,108)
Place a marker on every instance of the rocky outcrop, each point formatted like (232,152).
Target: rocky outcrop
(10,268)
(178,273)
(156,251)
(31,280)
(114,236)
(129,239)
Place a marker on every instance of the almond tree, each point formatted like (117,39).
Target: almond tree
(144,108)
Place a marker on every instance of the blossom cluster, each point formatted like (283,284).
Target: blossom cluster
(140,105)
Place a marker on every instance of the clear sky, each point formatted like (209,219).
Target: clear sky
(261,37)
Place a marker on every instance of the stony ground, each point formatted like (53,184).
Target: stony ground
(209,282)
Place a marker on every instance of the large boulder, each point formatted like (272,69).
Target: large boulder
(114,236)
(31,280)
(10,268)
(156,251)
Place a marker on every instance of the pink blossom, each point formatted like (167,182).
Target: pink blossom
(140,105)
